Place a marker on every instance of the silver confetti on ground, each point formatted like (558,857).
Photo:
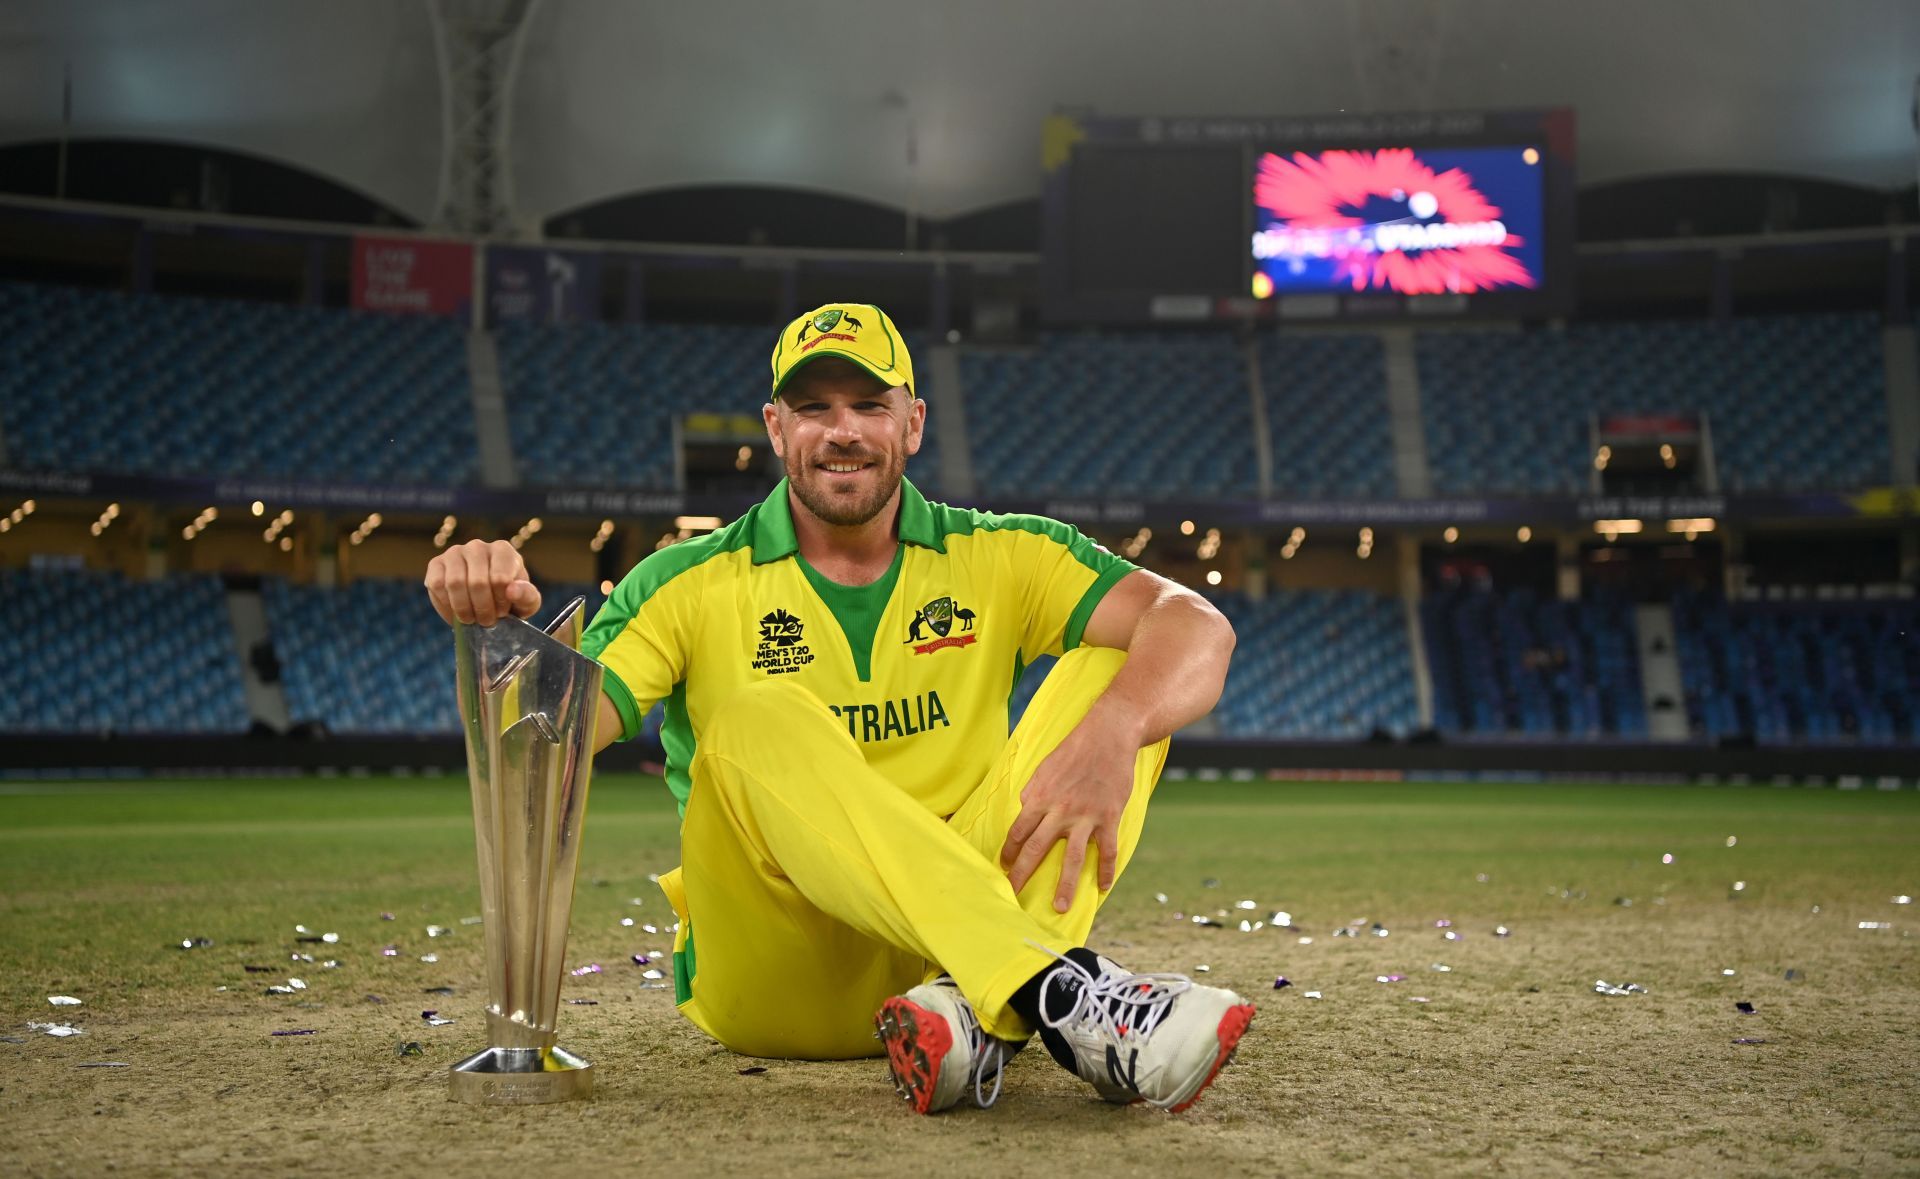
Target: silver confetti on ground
(1603,987)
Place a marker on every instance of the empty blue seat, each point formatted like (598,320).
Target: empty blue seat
(1792,402)
(224,387)
(85,652)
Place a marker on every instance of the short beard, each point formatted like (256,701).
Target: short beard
(839,512)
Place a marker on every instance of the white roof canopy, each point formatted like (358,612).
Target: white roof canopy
(622,96)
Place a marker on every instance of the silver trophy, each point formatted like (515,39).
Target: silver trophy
(529,701)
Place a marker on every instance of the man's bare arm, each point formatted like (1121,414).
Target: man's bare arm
(1177,645)
(607,726)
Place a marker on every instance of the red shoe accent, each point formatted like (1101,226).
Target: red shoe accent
(1233,1025)
(917,1042)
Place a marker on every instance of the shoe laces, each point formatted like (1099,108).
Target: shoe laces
(1119,1003)
(986,1052)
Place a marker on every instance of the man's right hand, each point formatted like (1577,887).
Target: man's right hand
(481,582)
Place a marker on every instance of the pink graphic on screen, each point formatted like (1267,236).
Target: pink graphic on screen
(1388,220)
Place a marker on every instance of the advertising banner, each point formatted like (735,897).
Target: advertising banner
(413,277)
(533,284)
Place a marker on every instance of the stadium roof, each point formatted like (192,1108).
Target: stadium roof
(624,96)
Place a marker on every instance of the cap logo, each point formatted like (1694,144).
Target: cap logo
(824,323)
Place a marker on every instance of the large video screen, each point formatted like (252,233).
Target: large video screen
(1296,218)
(1399,220)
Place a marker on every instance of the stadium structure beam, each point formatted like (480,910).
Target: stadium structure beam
(477,44)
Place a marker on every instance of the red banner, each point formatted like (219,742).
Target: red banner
(949,641)
(1649,425)
(412,277)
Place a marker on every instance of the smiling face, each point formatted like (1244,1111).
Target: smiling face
(844,438)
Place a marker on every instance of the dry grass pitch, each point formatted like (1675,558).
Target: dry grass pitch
(1512,1064)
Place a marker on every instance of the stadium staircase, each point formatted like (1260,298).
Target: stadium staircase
(1902,348)
(259,666)
(1257,407)
(1661,692)
(955,459)
(491,431)
(1411,475)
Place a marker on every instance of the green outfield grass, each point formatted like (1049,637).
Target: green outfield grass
(1512,1063)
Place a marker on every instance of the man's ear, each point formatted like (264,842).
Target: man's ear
(770,413)
(916,424)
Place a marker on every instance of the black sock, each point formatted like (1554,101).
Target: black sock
(1026,1001)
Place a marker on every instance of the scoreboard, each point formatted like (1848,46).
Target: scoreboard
(1338,217)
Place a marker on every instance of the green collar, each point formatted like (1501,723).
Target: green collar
(774,538)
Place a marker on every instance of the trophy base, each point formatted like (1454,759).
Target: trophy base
(520,1076)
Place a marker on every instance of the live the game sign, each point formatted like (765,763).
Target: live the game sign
(412,276)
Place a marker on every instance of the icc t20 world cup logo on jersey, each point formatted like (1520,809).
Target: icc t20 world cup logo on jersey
(943,616)
(780,650)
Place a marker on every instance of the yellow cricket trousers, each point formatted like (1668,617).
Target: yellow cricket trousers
(812,888)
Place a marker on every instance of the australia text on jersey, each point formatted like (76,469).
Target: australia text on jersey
(893,718)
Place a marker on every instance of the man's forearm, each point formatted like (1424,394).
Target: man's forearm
(1176,667)
(608,725)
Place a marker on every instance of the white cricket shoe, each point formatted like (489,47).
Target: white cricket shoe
(1158,1038)
(936,1047)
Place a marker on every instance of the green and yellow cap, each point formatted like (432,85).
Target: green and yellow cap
(860,332)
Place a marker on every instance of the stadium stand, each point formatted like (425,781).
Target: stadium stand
(91,653)
(594,404)
(1510,664)
(153,384)
(1139,413)
(1327,414)
(1317,663)
(374,658)
(1793,402)
(1782,672)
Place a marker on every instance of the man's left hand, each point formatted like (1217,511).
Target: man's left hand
(1078,795)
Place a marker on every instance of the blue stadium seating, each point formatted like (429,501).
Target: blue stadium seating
(1793,402)
(96,381)
(594,404)
(374,658)
(1151,414)
(1497,666)
(1317,663)
(88,653)
(1327,416)
(1783,672)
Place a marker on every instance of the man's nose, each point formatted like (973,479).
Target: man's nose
(843,425)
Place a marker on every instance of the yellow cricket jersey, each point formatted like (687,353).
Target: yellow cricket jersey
(919,665)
